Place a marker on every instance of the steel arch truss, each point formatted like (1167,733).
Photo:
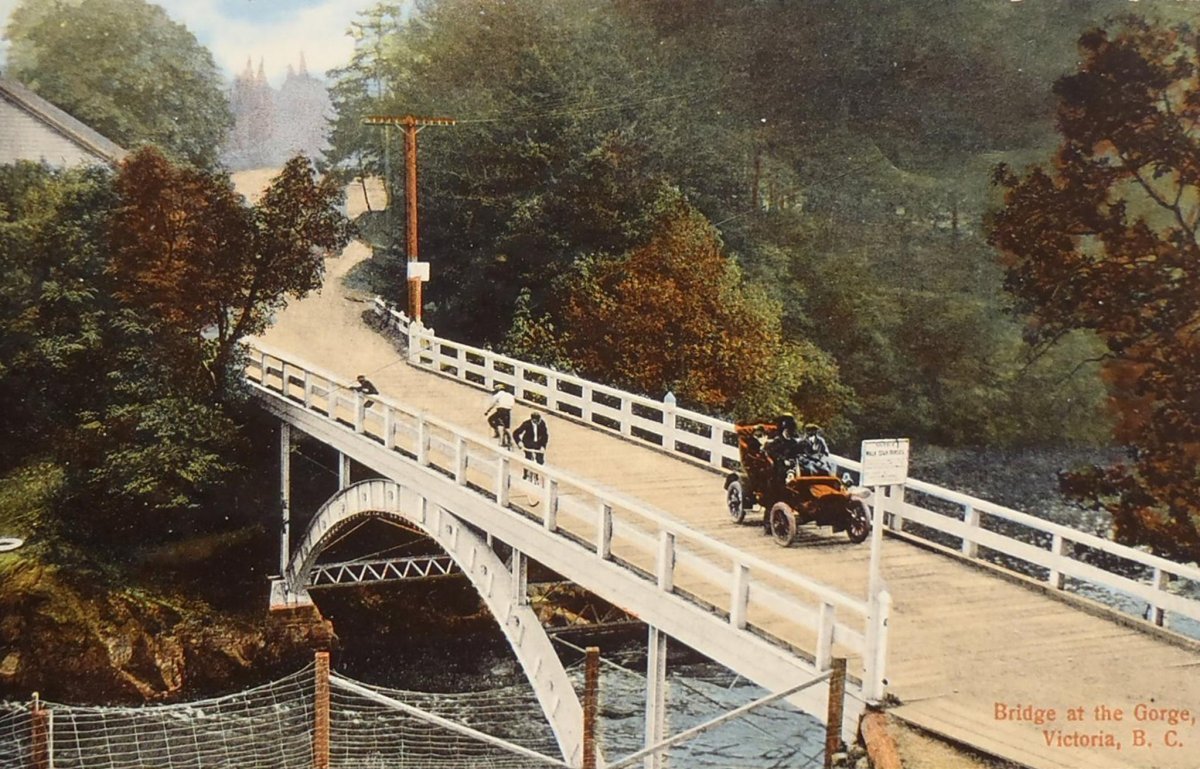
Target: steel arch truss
(384,570)
(498,588)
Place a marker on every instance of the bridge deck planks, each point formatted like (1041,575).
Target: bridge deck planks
(961,638)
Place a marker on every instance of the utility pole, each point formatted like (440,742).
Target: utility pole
(417,271)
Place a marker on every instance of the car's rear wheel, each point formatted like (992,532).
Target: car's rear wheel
(783,524)
(735,498)
(858,523)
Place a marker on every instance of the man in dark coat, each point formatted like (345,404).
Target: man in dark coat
(532,436)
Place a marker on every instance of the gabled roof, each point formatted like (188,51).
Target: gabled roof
(58,120)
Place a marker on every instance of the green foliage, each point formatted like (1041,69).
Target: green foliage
(124,68)
(1105,241)
(842,153)
(108,284)
(193,258)
(52,226)
(673,314)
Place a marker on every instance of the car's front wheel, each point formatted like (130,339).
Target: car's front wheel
(735,498)
(783,524)
(858,523)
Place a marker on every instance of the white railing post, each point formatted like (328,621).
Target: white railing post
(716,443)
(389,427)
(1157,614)
(360,412)
(739,598)
(666,561)
(331,399)
(970,548)
(503,469)
(825,627)
(422,440)
(307,390)
(881,644)
(1058,548)
(460,460)
(896,493)
(604,530)
(550,516)
(626,416)
(586,394)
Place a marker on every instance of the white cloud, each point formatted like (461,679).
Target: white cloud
(318,32)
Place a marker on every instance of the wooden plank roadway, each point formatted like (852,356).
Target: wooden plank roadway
(962,639)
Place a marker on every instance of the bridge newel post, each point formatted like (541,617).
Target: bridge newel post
(40,735)
(833,720)
(389,428)
(739,598)
(321,711)
(591,692)
(896,496)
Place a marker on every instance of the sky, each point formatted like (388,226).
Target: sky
(274,31)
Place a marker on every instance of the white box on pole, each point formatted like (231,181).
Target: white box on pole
(418,271)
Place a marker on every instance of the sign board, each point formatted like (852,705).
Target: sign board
(418,271)
(884,462)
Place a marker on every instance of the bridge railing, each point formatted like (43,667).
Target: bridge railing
(751,594)
(959,524)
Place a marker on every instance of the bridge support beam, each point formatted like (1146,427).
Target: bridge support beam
(502,587)
(656,695)
(520,578)
(285,493)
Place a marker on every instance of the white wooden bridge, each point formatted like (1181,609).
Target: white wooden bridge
(632,509)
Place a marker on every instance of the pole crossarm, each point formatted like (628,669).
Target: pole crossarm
(405,120)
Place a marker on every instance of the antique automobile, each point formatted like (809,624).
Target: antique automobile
(787,498)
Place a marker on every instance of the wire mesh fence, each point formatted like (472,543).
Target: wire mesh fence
(272,727)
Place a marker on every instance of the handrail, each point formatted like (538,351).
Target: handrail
(711,442)
(807,602)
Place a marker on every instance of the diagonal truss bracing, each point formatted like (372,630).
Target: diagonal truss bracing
(382,570)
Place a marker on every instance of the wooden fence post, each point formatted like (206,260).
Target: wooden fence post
(39,735)
(591,690)
(833,720)
(321,713)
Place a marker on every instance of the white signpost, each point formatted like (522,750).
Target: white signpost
(884,463)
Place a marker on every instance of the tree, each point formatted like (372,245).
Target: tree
(124,68)
(673,314)
(1105,240)
(52,300)
(193,257)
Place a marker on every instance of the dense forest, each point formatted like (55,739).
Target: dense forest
(968,223)
(815,207)
(832,158)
